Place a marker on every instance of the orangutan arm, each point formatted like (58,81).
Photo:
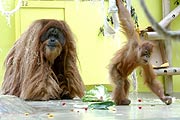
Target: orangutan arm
(156,87)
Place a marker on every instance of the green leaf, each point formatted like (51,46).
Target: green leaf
(101,105)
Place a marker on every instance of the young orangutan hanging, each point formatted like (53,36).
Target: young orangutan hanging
(135,53)
(42,63)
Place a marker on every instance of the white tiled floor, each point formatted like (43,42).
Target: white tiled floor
(150,108)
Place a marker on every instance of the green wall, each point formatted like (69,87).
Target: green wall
(175,25)
(7,38)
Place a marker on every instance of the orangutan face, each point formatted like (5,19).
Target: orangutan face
(53,41)
(145,52)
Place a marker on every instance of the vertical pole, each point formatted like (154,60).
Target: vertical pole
(168,81)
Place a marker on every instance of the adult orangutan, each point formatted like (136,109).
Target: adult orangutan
(133,54)
(42,63)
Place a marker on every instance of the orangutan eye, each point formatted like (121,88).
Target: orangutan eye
(147,56)
(146,52)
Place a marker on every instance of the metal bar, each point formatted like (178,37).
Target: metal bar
(167,71)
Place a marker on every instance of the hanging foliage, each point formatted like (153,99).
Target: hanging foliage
(108,27)
(176,2)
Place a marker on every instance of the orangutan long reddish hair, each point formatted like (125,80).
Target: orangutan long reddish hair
(42,63)
(135,53)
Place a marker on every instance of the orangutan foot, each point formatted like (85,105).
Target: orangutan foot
(123,102)
(167,100)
